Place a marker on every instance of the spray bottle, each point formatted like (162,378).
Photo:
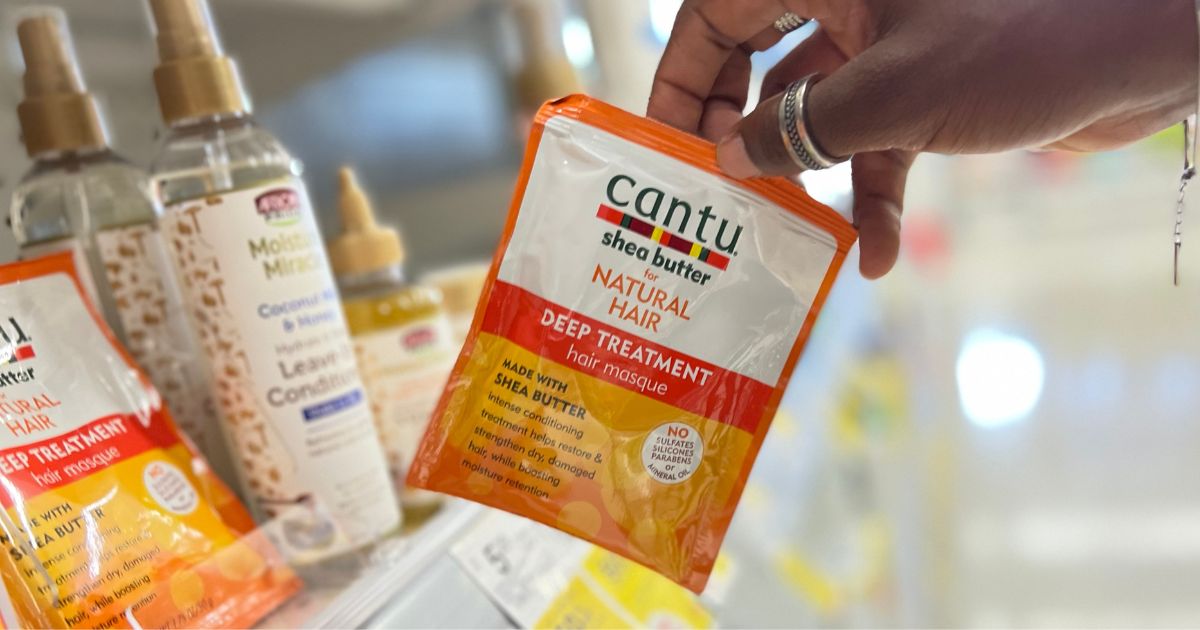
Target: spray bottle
(82,197)
(248,253)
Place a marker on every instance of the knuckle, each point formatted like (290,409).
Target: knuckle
(774,81)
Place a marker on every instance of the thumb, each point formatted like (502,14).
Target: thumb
(867,105)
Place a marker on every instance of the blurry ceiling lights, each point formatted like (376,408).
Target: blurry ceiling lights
(1000,378)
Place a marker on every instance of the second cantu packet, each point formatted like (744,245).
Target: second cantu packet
(640,322)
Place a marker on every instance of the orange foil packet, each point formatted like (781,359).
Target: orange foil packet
(640,322)
(110,517)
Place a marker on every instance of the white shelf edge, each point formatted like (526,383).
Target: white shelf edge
(372,590)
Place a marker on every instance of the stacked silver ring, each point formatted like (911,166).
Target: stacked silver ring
(793,126)
(789,22)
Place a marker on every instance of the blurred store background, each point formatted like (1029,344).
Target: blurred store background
(1003,432)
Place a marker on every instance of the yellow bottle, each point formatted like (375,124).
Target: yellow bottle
(461,286)
(401,332)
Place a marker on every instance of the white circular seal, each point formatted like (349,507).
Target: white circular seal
(170,487)
(672,452)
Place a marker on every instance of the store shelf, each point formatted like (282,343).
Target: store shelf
(444,596)
(397,570)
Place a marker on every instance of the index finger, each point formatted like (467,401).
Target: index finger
(705,34)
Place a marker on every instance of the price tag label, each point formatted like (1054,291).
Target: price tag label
(521,565)
(543,578)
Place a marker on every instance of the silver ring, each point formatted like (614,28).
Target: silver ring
(793,127)
(789,22)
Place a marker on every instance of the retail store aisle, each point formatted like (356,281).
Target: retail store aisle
(1057,373)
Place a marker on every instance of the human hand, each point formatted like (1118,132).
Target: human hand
(945,76)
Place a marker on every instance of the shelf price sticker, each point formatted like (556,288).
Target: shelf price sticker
(542,578)
(579,607)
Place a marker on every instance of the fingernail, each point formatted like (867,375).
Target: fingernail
(733,159)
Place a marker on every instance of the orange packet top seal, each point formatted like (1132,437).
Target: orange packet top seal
(639,324)
(110,517)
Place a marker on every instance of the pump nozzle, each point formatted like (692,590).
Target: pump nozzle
(57,114)
(194,78)
(49,65)
(363,246)
(185,29)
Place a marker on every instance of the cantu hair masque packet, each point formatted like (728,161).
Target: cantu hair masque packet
(640,322)
(108,517)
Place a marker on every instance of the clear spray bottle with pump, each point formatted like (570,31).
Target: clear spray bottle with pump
(80,196)
(248,253)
